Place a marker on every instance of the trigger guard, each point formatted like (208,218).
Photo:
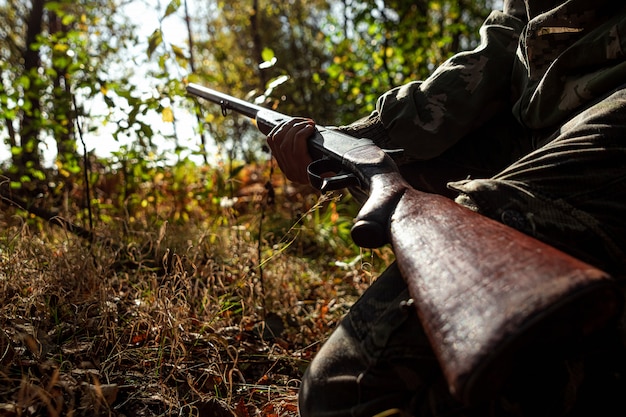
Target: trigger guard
(319,167)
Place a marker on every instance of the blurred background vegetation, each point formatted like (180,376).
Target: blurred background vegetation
(187,275)
(71,63)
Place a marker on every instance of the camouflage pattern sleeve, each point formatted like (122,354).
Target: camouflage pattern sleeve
(426,118)
(544,60)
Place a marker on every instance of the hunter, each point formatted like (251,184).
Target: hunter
(529,129)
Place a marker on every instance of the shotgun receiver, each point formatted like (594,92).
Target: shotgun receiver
(486,294)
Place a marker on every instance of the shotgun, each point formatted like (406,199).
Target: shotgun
(486,294)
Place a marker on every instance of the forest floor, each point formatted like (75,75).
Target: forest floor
(179,303)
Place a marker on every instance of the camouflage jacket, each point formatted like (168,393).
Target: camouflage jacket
(542,59)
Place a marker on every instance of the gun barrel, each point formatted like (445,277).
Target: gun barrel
(225,101)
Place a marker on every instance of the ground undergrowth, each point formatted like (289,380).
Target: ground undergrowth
(192,294)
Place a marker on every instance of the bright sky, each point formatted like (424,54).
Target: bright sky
(148,13)
(101,142)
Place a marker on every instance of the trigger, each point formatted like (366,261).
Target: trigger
(339,181)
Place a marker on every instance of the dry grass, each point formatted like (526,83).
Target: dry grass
(193,317)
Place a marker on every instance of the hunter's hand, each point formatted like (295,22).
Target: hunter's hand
(288,142)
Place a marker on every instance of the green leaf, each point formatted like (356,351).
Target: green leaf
(236,171)
(178,51)
(38,174)
(9,114)
(171,8)
(24,81)
(53,6)
(267,54)
(154,41)
(109,101)
(68,19)
(73,168)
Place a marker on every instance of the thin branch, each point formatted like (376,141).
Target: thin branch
(12,200)
(192,65)
(86,163)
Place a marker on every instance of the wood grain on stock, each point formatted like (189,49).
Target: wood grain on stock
(486,293)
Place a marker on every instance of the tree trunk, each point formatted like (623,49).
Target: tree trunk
(64,113)
(30,123)
(256,40)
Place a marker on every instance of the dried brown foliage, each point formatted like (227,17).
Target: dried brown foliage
(190,314)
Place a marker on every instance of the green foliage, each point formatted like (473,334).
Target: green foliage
(333,58)
(327,60)
(50,59)
(378,46)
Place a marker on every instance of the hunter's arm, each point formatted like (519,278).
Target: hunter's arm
(426,118)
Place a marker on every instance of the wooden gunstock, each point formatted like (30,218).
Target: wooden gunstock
(486,293)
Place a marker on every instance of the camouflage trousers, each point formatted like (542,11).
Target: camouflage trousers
(566,187)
